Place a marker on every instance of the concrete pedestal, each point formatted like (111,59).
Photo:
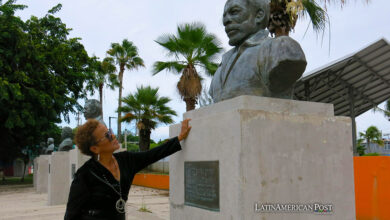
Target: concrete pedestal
(248,152)
(41,173)
(35,162)
(19,168)
(76,160)
(58,178)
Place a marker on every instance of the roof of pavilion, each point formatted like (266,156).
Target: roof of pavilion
(357,82)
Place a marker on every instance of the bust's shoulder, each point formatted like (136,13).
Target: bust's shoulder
(227,55)
(282,47)
(284,42)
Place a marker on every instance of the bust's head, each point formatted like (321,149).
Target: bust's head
(243,18)
(66,133)
(92,109)
(50,141)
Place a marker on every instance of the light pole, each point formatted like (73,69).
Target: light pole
(109,121)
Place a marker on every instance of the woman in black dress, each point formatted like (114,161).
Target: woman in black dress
(100,187)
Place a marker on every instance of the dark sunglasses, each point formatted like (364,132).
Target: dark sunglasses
(107,135)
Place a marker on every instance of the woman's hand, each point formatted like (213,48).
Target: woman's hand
(185,129)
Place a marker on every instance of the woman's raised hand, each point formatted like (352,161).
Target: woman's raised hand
(185,129)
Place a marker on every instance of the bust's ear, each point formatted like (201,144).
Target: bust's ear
(260,16)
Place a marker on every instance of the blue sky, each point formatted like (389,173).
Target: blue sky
(101,22)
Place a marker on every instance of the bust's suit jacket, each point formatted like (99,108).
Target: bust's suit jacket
(261,66)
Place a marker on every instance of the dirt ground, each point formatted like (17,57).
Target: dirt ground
(22,202)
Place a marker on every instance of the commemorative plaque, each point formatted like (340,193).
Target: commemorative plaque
(201,184)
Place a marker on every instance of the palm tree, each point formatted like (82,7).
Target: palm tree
(103,75)
(148,109)
(341,2)
(385,111)
(191,47)
(285,13)
(372,135)
(126,56)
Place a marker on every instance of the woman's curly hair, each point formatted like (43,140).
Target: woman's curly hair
(84,138)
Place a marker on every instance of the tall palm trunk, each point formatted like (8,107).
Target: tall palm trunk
(190,103)
(101,97)
(121,70)
(368,145)
(281,32)
(144,139)
(190,86)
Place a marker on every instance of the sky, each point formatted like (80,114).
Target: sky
(101,22)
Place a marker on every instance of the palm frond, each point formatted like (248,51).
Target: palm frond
(318,16)
(128,117)
(172,66)
(169,42)
(147,107)
(125,55)
(191,42)
(209,67)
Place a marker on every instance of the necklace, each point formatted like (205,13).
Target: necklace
(121,203)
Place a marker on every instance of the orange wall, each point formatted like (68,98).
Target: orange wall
(372,187)
(152,180)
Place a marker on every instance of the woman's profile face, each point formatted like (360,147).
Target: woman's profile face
(106,141)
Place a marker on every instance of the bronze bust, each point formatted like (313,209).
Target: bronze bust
(258,64)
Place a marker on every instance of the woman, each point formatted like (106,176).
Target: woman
(100,187)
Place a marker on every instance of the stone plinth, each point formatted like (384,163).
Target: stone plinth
(35,162)
(58,178)
(41,173)
(262,151)
(76,160)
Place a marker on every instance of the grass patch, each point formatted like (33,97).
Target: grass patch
(143,207)
(372,154)
(152,172)
(16,180)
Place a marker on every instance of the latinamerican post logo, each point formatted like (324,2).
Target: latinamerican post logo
(315,208)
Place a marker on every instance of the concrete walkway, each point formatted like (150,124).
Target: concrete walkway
(22,203)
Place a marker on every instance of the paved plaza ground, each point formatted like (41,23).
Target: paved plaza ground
(21,202)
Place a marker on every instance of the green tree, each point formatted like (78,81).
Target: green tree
(148,109)
(372,135)
(126,57)
(104,75)
(42,73)
(191,47)
(360,147)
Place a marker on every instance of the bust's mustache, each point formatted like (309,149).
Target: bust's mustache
(232,27)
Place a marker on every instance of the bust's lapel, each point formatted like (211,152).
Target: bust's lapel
(231,57)
(226,63)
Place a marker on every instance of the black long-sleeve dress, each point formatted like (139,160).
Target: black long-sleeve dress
(91,198)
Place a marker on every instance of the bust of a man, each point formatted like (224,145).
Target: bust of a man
(43,147)
(258,64)
(50,146)
(66,137)
(92,109)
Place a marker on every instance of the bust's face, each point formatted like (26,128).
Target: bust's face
(239,21)
(50,141)
(92,109)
